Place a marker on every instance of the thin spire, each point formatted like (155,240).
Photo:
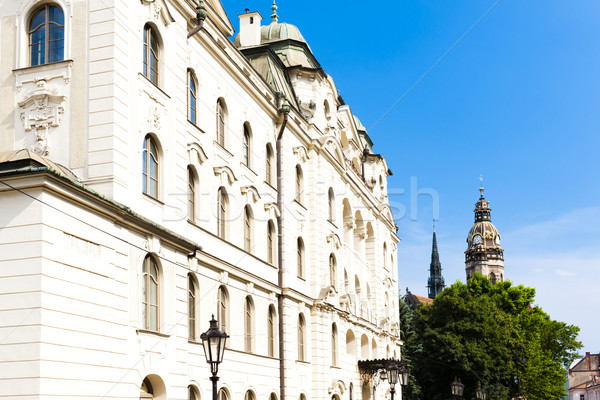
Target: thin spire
(435,282)
(481,185)
(274,16)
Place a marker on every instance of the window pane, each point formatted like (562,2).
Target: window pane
(56,15)
(57,32)
(37,54)
(38,19)
(153,322)
(56,51)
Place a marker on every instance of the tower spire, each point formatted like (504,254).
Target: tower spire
(274,16)
(436,281)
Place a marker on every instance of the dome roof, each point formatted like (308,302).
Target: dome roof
(488,237)
(280,31)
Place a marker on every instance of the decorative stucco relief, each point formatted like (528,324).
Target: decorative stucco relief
(40,109)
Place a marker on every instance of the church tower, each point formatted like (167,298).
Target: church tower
(484,254)
(435,282)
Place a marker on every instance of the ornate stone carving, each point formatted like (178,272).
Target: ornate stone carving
(155,117)
(41,109)
(307,108)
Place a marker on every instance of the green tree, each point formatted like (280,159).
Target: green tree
(410,350)
(486,334)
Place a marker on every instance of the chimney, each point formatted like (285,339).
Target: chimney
(250,28)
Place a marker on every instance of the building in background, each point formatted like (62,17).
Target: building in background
(484,254)
(149,180)
(435,283)
(584,378)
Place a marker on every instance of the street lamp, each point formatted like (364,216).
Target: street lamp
(480,392)
(403,373)
(213,341)
(392,375)
(457,388)
(497,391)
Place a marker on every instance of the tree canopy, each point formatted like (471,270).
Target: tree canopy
(486,334)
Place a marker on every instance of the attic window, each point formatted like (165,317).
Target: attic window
(251,20)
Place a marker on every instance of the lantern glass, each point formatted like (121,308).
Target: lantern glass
(457,387)
(480,393)
(213,341)
(392,374)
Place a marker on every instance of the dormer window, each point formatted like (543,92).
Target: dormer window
(251,20)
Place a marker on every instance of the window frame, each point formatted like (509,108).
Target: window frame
(271,235)
(223,308)
(301,337)
(271,331)
(46,27)
(247,145)
(192,97)
(148,304)
(299,184)
(247,221)
(192,308)
(221,115)
(331,205)
(151,52)
(248,324)
(334,345)
(150,152)
(269,164)
(191,194)
(332,270)
(222,212)
(300,257)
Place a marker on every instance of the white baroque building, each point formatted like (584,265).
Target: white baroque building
(149,180)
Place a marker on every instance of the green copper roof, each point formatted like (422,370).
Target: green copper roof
(280,31)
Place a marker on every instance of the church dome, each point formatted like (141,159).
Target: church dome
(483,235)
(280,31)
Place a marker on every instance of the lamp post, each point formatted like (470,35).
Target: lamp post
(403,373)
(392,375)
(213,341)
(497,391)
(481,394)
(457,388)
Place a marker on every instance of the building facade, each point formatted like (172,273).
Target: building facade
(584,378)
(149,180)
(484,254)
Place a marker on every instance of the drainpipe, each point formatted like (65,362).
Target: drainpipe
(285,110)
(201,14)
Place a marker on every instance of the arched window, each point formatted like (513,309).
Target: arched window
(334,345)
(351,392)
(271,331)
(248,324)
(301,337)
(346,281)
(300,259)
(193,393)
(327,110)
(191,194)
(222,206)
(150,167)
(299,184)
(147,391)
(223,394)
(150,294)
(192,296)
(271,242)
(249,395)
(221,120)
(151,54)
(223,309)
(493,278)
(192,96)
(246,150)
(331,207)
(269,165)
(46,35)
(272,396)
(248,229)
(332,271)
(385,256)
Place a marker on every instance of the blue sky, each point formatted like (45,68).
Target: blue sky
(450,90)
